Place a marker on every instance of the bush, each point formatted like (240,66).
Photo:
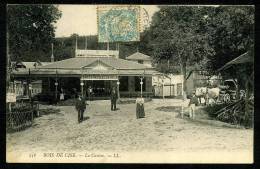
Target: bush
(213,109)
(233,113)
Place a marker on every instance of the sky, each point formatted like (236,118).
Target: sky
(82,19)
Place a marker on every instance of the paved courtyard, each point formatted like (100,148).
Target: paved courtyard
(105,130)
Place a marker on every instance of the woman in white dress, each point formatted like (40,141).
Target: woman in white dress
(61,95)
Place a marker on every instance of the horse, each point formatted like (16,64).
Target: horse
(210,95)
(200,93)
(213,95)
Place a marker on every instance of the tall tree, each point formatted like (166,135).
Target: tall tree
(231,32)
(31,30)
(177,34)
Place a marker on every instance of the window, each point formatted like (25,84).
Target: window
(141,61)
(137,84)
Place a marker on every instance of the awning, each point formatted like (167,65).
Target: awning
(79,72)
(242,59)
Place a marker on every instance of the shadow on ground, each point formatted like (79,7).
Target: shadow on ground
(85,118)
(169,109)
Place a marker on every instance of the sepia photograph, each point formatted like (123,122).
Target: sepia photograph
(130,83)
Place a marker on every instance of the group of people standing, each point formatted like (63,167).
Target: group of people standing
(81,103)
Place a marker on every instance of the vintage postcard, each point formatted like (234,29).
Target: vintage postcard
(130,83)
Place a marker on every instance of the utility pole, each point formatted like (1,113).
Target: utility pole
(141,83)
(52,56)
(82,84)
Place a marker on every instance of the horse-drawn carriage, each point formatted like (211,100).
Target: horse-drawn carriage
(223,93)
(228,91)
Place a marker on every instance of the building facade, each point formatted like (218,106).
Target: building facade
(98,69)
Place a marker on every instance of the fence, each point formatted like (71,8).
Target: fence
(20,115)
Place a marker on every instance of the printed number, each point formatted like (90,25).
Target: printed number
(32,155)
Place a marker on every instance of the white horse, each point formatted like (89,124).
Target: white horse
(201,93)
(213,95)
(210,95)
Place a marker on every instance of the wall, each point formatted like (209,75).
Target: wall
(170,85)
(147,63)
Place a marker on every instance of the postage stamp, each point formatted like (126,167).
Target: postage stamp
(118,23)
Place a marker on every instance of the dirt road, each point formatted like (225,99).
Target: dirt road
(119,130)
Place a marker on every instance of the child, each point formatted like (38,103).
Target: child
(192,105)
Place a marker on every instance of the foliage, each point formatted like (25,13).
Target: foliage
(64,47)
(31,31)
(212,109)
(231,33)
(234,113)
(177,34)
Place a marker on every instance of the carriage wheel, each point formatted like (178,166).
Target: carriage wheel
(242,94)
(226,98)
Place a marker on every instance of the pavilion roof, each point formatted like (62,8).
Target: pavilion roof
(138,56)
(80,62)
(92,65)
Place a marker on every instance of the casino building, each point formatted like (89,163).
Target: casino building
(100,69)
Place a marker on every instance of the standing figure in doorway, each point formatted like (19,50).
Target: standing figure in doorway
(90,93)
(80,107)
(113,97)
(61,94)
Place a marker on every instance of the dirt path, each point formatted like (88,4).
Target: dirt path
(120,130)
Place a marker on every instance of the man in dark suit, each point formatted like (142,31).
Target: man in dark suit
(113,97)
(80,107)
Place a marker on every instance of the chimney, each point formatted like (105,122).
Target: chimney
(52,56)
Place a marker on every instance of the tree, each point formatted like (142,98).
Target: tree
(231,33)
(177,33)
(31,30)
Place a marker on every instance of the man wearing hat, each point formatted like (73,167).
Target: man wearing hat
(113,97)
(192,105)
(80,107)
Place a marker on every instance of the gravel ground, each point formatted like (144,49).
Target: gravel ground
(105,130)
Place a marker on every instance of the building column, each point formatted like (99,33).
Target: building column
(82,87)
(118,91)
